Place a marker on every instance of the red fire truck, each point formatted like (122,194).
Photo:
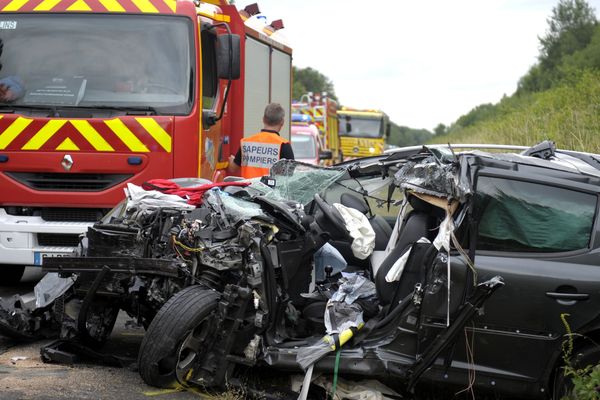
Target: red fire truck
(323,111)
(95,94)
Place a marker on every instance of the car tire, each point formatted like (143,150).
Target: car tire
(11,274)
(163,355)
(584,356)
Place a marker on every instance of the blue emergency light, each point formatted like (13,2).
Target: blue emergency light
(301,118)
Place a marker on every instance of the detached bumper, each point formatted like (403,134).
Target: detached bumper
(19,242)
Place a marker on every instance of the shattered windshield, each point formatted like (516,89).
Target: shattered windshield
(100,61)
(296,181)
(237,209)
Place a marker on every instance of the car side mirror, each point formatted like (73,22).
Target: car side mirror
(325,155)
(228,56)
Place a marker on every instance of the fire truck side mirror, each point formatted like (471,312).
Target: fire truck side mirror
(228,56)
(387,130)
(325,155)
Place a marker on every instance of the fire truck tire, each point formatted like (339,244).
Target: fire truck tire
(11,274)
(164,359)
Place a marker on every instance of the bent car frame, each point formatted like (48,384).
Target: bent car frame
(480,266)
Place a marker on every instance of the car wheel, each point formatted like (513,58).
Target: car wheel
(563,385)
(11,274)
(174,340)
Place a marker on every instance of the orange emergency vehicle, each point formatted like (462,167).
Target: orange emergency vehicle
(119,91)
(322,111)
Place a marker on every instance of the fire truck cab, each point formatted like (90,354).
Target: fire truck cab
(95,94)
(363,133)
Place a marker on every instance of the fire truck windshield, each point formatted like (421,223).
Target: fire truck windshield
(142,62)
(360,126)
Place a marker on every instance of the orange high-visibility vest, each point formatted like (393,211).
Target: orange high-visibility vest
(259,152)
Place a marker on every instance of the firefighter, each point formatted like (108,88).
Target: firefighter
(259,152)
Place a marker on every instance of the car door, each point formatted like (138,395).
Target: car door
(539,234)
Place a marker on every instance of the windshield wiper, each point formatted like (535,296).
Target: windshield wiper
(56,110)
(10,108)
(129,110)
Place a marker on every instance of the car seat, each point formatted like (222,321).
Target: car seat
(421,221)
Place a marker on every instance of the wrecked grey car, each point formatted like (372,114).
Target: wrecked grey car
(470,284)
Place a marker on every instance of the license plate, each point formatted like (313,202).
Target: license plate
(38,256)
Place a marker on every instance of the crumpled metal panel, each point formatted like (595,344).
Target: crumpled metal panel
(50,287)
(436,175)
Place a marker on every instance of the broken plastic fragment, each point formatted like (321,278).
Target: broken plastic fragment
(50,287)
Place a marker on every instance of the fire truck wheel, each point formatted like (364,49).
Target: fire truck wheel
(11,274)
(175,338)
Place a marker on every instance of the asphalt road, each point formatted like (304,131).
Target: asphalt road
(33,379)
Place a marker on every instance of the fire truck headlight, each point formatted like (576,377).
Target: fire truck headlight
(371,149)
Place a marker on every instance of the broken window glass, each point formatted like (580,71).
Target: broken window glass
(528,217)
(238,208)
(296,181)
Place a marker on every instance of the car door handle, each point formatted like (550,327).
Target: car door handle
(568,296)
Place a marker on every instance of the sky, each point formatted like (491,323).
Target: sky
(422,62)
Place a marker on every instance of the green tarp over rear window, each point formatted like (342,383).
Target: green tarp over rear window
(527,217)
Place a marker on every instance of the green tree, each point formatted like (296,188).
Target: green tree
(587,58)
(310,80)
(479,113)
(440,129)
(405,136)
(570,30)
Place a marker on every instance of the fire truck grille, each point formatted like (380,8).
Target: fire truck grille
(58,239)
(68,182)
(72,214)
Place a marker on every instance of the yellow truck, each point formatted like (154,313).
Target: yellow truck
(362,132)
